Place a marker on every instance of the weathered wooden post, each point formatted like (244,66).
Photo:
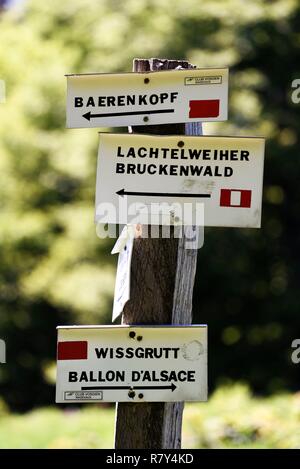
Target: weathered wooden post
(162,280)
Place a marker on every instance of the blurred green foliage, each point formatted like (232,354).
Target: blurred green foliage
(53,268)
(53,428)
(232,418)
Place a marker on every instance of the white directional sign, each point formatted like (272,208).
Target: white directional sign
(131,364)
(169,179)
(165,97)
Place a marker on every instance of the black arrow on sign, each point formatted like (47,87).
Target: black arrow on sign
(172,387)
(88,115)
(94,388)
(122,192)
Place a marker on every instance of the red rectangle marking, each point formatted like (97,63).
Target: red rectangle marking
(73,350)
(204,108)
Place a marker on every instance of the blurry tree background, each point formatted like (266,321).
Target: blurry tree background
(53,268)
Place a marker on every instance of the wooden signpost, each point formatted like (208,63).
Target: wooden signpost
(163,274)
(156,360)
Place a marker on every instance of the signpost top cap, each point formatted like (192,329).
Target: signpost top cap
(183,70)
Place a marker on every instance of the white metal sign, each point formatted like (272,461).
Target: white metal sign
(131,364)
(114,100)
(170,179)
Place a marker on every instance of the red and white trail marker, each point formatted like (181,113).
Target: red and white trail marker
(235,198)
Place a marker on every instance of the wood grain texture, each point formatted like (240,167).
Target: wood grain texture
(162,280)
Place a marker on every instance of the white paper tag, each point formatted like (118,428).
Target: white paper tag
(124,247)
(126,234)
